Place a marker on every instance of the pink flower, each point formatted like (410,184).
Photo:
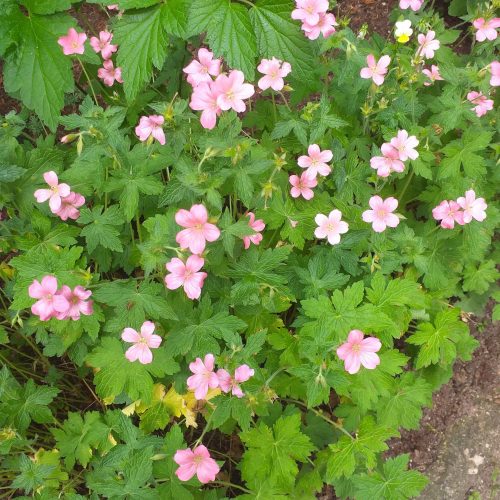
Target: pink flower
(412,4)
(309,11)
(204,98)
(330,227)
(143,343)
(258,226)
(381,215)
(228,383)
(325,26)
(482,103)
(204,376)
(274,70)
(474,208)
(405,145)
(54,194)
(186,275)
(432,74)
(495,73)
(232,90)
(203,69)
(113,7)
(108,74)
(301,186)
(375,70)
(69,206)
(387,163)
(151,126)
(448,212)
(198,231)
(196,462)
(77,300)
(427,44)
(50,302)
(103,44)
(316,161)
(359,351)
(73,42)
(486,29)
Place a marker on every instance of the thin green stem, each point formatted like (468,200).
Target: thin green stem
(274,107)
(405,187)
(232,485)
(88,80)
(138,224)
(285,101)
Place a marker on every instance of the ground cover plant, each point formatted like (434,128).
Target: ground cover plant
(239,243)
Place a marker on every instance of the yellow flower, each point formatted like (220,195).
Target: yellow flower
(403,31)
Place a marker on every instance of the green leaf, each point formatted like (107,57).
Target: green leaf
(175,16)
(32,475)
(478,279)
(201,13)
(10,173)
(46,6)
(100,229)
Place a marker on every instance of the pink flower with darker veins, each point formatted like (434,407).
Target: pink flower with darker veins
(309,11)
(301,186)
(325,26)
(486,29)
(54,194)
(69,206)
(151,126)
(143,341)
(375,70)
(204,98)
(108,74)
(78,304)
(232,90)
(359,351)
(196,462)
(186,275)
(330,227)
(103,44)
(258,226)
(204,376)
(482,103)
(414,5)
(474,208)
(316,161)
(427,44)
(381,215)
(274,70)
(405,145)
(432,74)
(50,302)
(387,163)
(448,212)
(73,42)
(227,383)
(198,230)
(202,69)
(495,74)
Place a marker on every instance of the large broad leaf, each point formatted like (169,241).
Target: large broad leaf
(47,6)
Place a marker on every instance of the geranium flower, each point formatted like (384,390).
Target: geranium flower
(186,275)
(473,208)
(405,145)
(495,74)
(309,11)
(204,98)
(78,304)
(108,74)
(381,215)
(143,342)
(359,351)
(330,227)
(486,29)
(196,462)
(432,74)
(325,26)
(232,90)
(375,70)
(73,42)
(103,44)
(151,126)
(258,226)
(49,303)
(316,161)
(448,212)
(403,31)
(301,186)
(412,4)
(387,163)
(482,103)
(54,194)
(69,206)
(204,376)
(231,384)
(202,69)
(198,230)
(274,70)
(427,44)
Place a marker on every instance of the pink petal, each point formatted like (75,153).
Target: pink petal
(355,336)
(369,360)
(371,344)
(183,457)
(186,472)
(51,178)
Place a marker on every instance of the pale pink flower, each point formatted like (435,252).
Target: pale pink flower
(495,74)
(474,208)
(50,302)
(78,304)
(432,74)
(227,383)
(486,29)
(448,212)
(204,376)
(359,351)
(325,26)
(412,4)
(113,7)
(108,74)
(186,275)
(73,42)
(103,44)
(54,194)
(232,90)
(69,206)
(274,70)
(427,44)
(375,70)
(143,341)
(387,163)
(316,161)
(301,186)
(198,230)
(405,145)
(258,226)
(381,215)
(151,126)
(330,227)
(204,98)
(202,69)
(308,11)
(196,462)
(482,103)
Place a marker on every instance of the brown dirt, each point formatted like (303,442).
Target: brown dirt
(375,13)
